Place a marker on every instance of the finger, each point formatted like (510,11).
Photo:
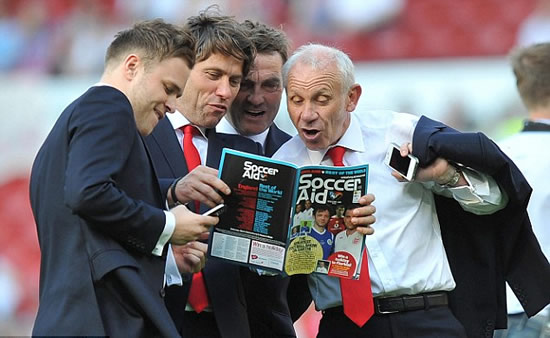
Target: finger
(366,210)
(200,246)
(209,176)
(367,199)
(365,230)
(193,252)
(206,194)
(208,221)
(204,236)
(194,263)
(397,176)
(404,149)
(197,245)
(363,221)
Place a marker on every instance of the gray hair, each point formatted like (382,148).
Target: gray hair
(319,57)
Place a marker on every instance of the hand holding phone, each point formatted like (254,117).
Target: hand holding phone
(215,211)
(405,166)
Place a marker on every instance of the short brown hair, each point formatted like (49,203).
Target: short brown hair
(531,66)
(267,39)
(216,33)
(155,40)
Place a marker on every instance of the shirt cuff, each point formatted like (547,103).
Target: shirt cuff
(482,195)
(166,233)
(171,272)
(471,193)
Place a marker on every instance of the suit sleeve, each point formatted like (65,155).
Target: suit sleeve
(101,136)
(433,139)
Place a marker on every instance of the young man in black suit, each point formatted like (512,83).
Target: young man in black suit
(96,201)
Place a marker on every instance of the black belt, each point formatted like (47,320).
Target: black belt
(388,305)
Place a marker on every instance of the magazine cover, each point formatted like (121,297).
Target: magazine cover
(322,238)
(287,219)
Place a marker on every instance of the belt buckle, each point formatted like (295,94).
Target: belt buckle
(383,312)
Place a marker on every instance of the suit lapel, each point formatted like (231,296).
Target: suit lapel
(167,141)
(275,139)
(215,146)
(155,176)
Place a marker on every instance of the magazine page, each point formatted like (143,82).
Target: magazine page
(253,229)
(321,237)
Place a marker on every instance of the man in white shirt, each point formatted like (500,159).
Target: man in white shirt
(406,257)
(349,240)
(531,67)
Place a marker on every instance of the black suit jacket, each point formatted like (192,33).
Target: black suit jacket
(223,281)
(96,202)
(486,251)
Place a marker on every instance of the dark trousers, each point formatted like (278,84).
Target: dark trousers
(199,325)
(436,322)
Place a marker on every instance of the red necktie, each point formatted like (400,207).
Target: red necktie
(356,294)
(198,297)
(190,152)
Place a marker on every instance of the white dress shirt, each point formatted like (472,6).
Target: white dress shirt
(406,253)
(172,275)
(225,127)
(201,143)
(529,151)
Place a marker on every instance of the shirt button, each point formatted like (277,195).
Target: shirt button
(162,292)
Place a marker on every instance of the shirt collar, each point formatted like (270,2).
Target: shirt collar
(349,140)
(178,120)
(227,128)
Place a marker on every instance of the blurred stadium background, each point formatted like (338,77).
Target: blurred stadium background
(442,58)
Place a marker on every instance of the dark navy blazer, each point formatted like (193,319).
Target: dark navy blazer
(98,211)
(486,251)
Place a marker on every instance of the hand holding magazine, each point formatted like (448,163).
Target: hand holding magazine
(288,219)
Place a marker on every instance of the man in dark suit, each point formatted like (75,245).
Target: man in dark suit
(223,55)
(96,201)
(274,302)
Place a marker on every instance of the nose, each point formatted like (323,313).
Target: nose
(171,104)
(308,114)
(223,89)
(255,97)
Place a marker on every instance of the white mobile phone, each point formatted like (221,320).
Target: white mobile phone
(405,166)
(215,211)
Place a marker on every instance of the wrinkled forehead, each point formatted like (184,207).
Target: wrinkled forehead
(304,76)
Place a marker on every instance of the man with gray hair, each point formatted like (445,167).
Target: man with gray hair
(435,258)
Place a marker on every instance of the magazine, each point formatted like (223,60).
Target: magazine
(289,219)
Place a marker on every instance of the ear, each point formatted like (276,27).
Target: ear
(353,97)
(131,65)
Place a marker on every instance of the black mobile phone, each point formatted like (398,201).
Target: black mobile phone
(215,211)
(405,166)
